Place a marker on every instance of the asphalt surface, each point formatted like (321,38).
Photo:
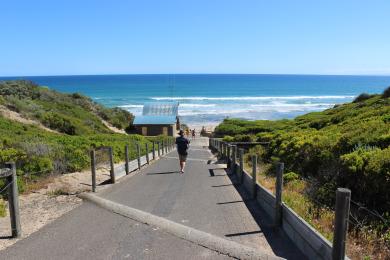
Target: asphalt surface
(204,197)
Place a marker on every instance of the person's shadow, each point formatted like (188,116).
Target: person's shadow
(158,173)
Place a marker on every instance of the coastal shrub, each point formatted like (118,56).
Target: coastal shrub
(58,122)
(242,138)
(38,165)
(345,146)
(290,176)
(72,114)
(361,97)
(228,139)
(386,93)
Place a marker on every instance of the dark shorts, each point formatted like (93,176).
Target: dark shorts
(182,157)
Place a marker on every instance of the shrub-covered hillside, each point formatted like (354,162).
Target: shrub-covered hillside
(347,146)
(37,152)
(72,114)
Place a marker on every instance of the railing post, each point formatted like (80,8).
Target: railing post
(234,159)
(162,148)
(147,152)
(158,149)
(93,170)
(254,176)
(343,198)
(154,150)
(127,159)
(228,162)
(241,158)
(13,200)
(278,194)
(112,171)
(139,156)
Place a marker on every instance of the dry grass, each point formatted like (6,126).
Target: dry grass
(2,208)
(37,184)
(361,244)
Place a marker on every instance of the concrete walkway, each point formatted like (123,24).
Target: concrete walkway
(204,197)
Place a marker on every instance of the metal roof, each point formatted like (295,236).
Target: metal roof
(161,109)
(155,120)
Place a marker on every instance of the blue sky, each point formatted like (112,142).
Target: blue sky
(199,36)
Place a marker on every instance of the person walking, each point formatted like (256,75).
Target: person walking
(182,144)
(193,134)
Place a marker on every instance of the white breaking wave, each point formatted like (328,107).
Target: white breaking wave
(131,106)
(197,105)
(253,98)
(293,105)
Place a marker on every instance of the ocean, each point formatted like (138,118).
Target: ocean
(205,100)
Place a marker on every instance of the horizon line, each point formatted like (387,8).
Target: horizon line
(173,74)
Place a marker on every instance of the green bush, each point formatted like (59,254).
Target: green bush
(242,138)
(361,97)
(386,93)
(228,139)
(72,114)
(345,146)
(290,176)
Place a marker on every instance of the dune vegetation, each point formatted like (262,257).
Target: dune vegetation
(77,124)
(345,146)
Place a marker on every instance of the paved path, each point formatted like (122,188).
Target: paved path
(204,197)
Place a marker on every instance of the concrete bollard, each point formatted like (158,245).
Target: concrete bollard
(343,199)
(241,170)
(93,169)
(278,194)
(127,159)
(254,176)
(154,150)
(13,200)
(139,156)
(112,173)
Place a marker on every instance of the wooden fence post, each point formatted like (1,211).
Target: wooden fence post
(241,157)
(112,171)
(228,148)
(93,170)
(343,198)
(154,150)
(162,148)
(278,194)
(127,159)
(254,176)
(234,158)
(13,200)
(147,152)
(139,156)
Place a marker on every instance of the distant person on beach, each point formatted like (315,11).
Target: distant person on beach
(193,134)
(182,144)
(187,132)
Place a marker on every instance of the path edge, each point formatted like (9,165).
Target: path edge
(212,242)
